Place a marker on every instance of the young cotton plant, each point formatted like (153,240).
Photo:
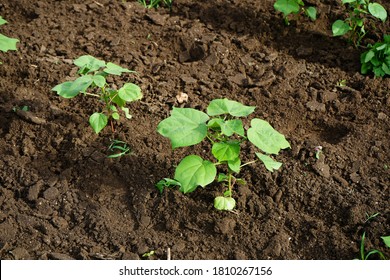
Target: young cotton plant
(377,58)
(296,7)
(224,129)
(93,73)
(362,15)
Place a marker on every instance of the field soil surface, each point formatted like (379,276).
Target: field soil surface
(62,198)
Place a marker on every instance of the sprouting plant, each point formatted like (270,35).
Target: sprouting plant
(222,127)
(342,83)
(118,149)
(149,4)
(318,151)
(93,73)
(377,58)
(21,108)
(296,7)
(365,255)
(370,217)
(361,16)
(6,43)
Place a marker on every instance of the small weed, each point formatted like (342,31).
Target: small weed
(118,149)
(318,151)
(21,108)
(362,15)
(295,7)
(224,130)
(93,73)
(149,4)
(342,83)
(148,254)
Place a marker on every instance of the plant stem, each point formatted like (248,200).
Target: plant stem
(247,163)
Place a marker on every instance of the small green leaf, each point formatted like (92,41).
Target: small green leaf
(377,11)
(2,21)
(130,92)
(266,138)
(88,63)
(193,171)
(235,165)
(99,80)
(340,28)
(230,127)
(348,1)
(98,121)
(115,116)
(114,69)
(166,183)
(224,203)
(226,151)
(386,239)
(215,124)
(269,162)
(287,7)
(7,44)
(222,178)
(311,12)
(226,106)
(127,114)
(185,127)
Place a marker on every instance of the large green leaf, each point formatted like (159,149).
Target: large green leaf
(185,127)
(130,92)
(226,106)
(114,69)
(193,171)
(287,6)
(71,89)
(377,11)
(266,138)
(98,121)
(7,44)
(226,151)
(88,63)
(269,162)
(339,28)
(224,203)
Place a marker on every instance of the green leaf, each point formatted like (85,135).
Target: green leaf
(368,56)
(235,165)
(230,127)
(226,106)
(98,121)
(377,11)
(7,44)
(127,113)
(386,239)
(224,203)
(339,28)
(185,127)
(215,124)
(115,116)
(99,80)
(266,138)
(114,69)
(166,183)
(226,151)
(2,21)
(130,92)
(311,12)
(193,171)
(348,1)
(71,89)
(269,162)
(88,63)
(287,6)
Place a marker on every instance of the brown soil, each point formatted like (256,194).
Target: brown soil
(62,198)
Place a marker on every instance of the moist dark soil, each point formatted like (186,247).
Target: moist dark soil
(62,198)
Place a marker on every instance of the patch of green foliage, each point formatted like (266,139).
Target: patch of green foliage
(7,43)
(149,4)
(295,7)
(223,128)
(362,15)
(377,58)
(92,82)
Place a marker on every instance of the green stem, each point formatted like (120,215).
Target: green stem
(250,162)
